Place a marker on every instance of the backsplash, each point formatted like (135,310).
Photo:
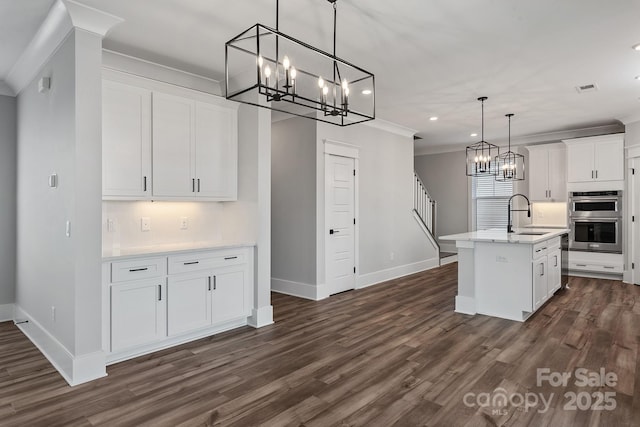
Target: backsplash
(205,222)
(549,214)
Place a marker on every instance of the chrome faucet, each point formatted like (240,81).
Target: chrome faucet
(509,210)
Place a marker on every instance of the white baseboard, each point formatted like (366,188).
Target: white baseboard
(262,316)
(299,289)
(465,305)
(374,278)
(6,312)
(74,369)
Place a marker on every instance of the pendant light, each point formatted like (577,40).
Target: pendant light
(480,156)
(509,165)
(268,68)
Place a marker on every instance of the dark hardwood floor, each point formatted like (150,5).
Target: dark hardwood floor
(392,354)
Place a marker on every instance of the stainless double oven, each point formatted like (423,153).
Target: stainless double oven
(595,219)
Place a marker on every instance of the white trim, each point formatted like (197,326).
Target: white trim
(260,317)
(6,312)
(448,260)
(370,279)
(119,62)
(633,151)
(539,138)
(465,305)
(338,148)
(64,16)
(74,369)
(299,289)
(631,118)
(391,127)
(174,341)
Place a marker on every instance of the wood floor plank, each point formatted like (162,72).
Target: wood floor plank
(392,354)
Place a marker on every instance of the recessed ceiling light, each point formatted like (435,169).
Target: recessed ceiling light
(636,46)
(637,77)
(366,92)
(433,118)
(474,134)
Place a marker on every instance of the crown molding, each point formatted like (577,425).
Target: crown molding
(631,118)
(5,89)
(540,138)
(64,16)
(391,127)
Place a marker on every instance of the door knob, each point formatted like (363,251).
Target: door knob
(332,231)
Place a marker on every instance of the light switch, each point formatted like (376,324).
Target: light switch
(53,180)
(111,225)
(145,223)
(68,229)
(184,223)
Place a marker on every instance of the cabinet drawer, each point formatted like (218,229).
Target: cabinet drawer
(144,268)
(540,249)
(553,244)
(599,268)
(205,260)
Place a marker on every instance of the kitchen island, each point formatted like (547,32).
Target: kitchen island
(507,275)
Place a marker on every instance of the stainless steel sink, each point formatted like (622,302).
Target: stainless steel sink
(531,233)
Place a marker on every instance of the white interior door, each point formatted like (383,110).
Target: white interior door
(635,227)
(340,221)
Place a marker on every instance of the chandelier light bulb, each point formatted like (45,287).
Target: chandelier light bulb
(346,91)
(345,84)
(476,159)
(294,73)
(286,63)
(325,90)
(260,61)
(320,83)
(267,71)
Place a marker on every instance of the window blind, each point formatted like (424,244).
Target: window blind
(490,198)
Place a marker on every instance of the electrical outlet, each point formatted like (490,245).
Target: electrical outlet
(145,223)
(184,223)
(53,313)
(392,255)
(111,225)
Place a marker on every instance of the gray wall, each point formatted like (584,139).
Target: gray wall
(390,236)
(7,199)
(59,131)
(443,175)
(293,200)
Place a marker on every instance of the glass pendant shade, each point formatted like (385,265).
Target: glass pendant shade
(481,155)
(509,165)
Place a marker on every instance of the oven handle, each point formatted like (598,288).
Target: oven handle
(595,219)
(591,200)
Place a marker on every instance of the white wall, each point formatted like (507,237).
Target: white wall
(7,203)
(293,200)
(59,132)
(391,241)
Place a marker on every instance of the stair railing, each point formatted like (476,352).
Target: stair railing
(424,205)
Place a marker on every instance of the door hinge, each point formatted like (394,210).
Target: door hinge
(354,221)
(633,218)
(633,265)
(633,171)
(354,172)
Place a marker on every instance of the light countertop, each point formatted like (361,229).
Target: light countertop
(112,254)
(501,235)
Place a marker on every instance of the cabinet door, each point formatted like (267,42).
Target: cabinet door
(538,174)
(555,271)
(580,165)
(228,296)
(216,151)
(138,313)
(189,303)
(126,141)
(539,282)
(173,146)
(609,161)
(558,174)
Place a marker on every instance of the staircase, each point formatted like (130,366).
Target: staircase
(425,210)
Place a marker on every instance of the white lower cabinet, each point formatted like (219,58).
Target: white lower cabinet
(157,302)
(554,262)
(540,293)
(138,313)
(547,271)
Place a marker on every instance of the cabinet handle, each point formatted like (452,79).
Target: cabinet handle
(542,269)
(556,257)
(209,281)
(581,265)
(230,257)
(138,269)
(192,262)
(596,174)
(215,283)
(591,174)
(145,183)
(198,185)
(159,292)
(608,266)
(549,193)
(193,185)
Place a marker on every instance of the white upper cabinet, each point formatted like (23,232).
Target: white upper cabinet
(547,173)
(597,158)
(126,141)
(173,146)
(163,142)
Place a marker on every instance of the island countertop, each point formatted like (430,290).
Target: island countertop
(499,235)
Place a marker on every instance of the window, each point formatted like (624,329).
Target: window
(490,199)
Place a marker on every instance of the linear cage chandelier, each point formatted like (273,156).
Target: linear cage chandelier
(267,68)
(480,156)
(509,165)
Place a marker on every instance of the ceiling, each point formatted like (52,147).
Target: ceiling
(430,57)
